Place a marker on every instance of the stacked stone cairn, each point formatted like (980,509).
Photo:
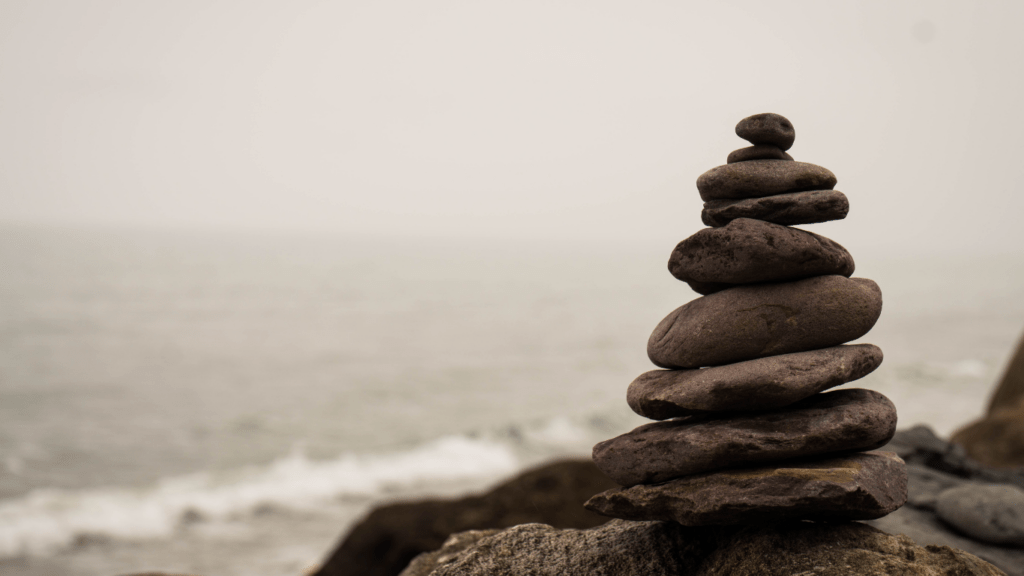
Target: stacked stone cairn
(747,433)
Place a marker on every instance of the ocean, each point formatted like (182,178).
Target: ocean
(230,403)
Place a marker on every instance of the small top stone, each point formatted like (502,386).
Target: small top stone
(767,128)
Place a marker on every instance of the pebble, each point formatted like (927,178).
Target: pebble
(987,512)
(767,129)
(839,421)
(749,251)
(762,320)
(786,209)
(761,152)
(759,178)
(751,386)
(854,487)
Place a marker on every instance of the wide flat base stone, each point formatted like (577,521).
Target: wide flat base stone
(623,548)
(854,487)
(832,422)
(786,209)
(751,386)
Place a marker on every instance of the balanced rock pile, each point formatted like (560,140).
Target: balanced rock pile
(747,433)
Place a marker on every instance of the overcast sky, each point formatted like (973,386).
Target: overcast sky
(548,119)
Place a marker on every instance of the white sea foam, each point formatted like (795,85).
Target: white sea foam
(47,520)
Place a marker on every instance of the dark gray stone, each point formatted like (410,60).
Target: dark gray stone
(849,487)
(759,178)
(926,484)
(622,548)
(767,128)
(751,386)
(762,152)
(839,421)
(751,251)
(786,209)
(987,512)
(750,322)
(919,445)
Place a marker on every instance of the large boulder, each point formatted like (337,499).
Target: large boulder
(997,439)
(624,548)
(384,542)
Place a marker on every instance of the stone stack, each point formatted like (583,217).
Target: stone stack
(747,433)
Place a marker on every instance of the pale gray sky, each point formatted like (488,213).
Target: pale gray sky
(520,118)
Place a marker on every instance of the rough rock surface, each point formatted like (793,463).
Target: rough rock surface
(850,487)
(621,548)
(759,178)
(787,209)
(750,322)
(839,421)
(749,251)
(998,438)
(751,386)
(761,152)
(767,128)
(987,512)
(384,542)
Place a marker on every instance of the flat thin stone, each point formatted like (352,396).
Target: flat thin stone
(986,512)
(751,386)
(840,421)
(767,128)
(761,320)
(787,209)
(759,178)
(760,152)
(750,251)
(853,487)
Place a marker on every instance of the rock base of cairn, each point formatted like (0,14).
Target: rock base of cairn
(749,434)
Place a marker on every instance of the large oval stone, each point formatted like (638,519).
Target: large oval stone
(841,421)
(986,512)
(787,209)
(767,129)
(851,487)
(751,386)
(759,178)
(761,320)
(749,251)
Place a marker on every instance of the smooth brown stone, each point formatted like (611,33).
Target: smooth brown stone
(751,386)
(840,421)
(760,152)
(761,320)
(767,129)
(750,251)
(787,209)
(853,487)
(759,178)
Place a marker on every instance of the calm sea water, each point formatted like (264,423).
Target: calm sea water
(229,404)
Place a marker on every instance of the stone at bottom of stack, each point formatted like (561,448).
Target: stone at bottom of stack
(860,486)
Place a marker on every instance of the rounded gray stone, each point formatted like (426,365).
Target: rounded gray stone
(850,487)
(759,178)
(749,251)
(787,209)
(761,152)
(840,421)
(767,129)
(986,512)
(761,320)
(751,386)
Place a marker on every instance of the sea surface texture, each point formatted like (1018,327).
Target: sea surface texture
(230,404)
